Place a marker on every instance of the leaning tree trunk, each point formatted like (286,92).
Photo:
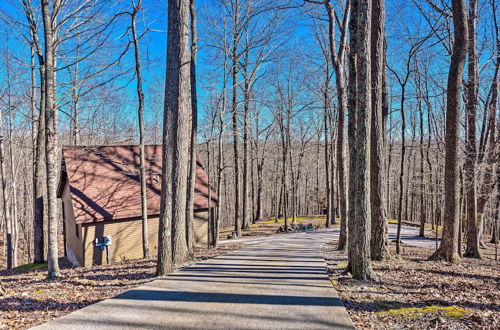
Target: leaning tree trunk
(448,249)
(359,136)
(379,239)
(50,139)
(472,248)
(140,114)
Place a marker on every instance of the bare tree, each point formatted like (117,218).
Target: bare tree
(173,249)
(359,134)
(472,249)
(178,93)
(448,249)
(6,207)
(338,61)
(39,150)
(379,239)
(194,130)
(140,114)
(49,14)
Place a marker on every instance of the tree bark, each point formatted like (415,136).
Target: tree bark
(326,130)
(140,115)
(449,243)
(379,239)
(181,112)
(5,204)
(38,157)
(194,130)
(359,135)
(246,135)
(51,137)
(234,73)
(172,245)
(472,248)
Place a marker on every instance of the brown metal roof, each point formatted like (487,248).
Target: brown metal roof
(104,182)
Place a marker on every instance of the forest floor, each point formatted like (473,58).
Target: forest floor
(413,293)
(31,299)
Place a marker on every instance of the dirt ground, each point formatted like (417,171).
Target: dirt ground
(31,299)
(413,293)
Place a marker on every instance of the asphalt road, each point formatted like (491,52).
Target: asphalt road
(277,283)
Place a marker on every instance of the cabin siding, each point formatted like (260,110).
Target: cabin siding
(74,246)
(126,236)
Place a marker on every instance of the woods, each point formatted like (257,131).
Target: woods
(354,143)
(370,112)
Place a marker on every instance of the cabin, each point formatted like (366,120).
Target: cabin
(101,203)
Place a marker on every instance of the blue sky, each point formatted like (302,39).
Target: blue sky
(401,18)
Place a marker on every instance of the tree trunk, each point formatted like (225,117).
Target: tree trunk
(379,239)
(401,170)
(51,138)
(472,248)
(140,114)
(172,245)
(181,110)
(13,238)
(359,135)
(234,72)
(194,130)
(5,204)
(340,81)
(449,243)
(246,158)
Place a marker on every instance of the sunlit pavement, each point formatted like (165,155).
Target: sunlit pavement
(279,282)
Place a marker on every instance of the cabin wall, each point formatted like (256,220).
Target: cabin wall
(74,245)
(126,237)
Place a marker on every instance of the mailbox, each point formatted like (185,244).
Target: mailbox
(106,241)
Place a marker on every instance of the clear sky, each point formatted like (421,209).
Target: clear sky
(405,25)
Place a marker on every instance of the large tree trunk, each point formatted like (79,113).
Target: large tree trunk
(172,245)
(449,243)
(359,135)
(182,110)
(379,239)
(472,248)
(51,138)
(140,115)
(194,129)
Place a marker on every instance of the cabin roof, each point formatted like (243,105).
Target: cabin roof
(104,182)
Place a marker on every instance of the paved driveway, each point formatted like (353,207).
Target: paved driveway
(278,283)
